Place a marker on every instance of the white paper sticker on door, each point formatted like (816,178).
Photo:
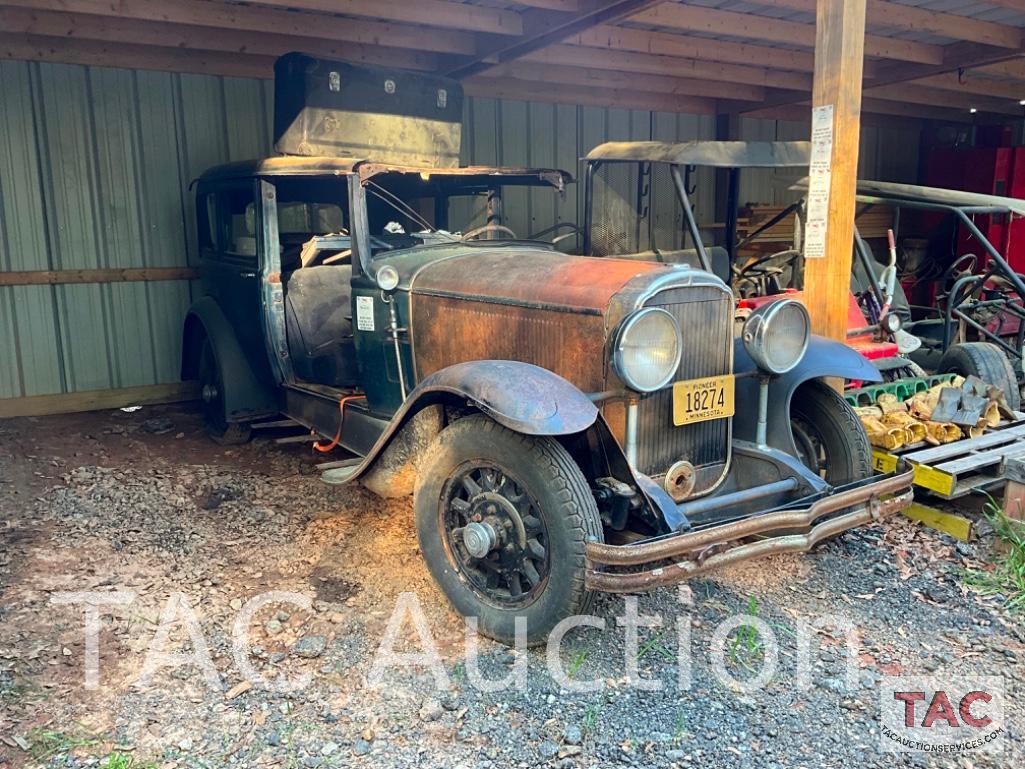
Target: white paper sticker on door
(365,313)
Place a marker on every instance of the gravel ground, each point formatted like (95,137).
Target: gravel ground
(142,502)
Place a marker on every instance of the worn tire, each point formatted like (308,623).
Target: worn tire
(217,425)
(988,363)
(548,474)
(821,412)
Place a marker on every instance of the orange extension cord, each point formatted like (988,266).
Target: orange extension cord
(318,446)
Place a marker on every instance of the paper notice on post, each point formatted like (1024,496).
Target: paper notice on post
(819,176)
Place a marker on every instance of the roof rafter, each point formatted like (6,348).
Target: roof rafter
(880,13)
(229,16)
(752,26)
(540,29)
(433,13)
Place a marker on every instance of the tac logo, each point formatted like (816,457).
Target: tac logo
(941,715)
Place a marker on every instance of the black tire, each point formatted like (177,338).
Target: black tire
(211,384)
(988,363)
(829,437)
(540,483)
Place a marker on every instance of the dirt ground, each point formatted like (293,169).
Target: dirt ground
(141,507)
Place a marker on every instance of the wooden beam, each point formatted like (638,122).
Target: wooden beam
(839,53)
(93,53)
(551,5)
(98,400)
(973,84)
(920,94)
(430,13)
(541,29)
(609,37)
(652,64)
(1014,5)
(527,90)
(75,26)
(125,275)
(1009,68)
(880,13)
(956,56)
(228,16)
(874,112)
(595,78)
(752,26)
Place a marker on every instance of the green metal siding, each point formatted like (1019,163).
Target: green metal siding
(95,165)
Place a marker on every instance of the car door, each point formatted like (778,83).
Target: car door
(229,221)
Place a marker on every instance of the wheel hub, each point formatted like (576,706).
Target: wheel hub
(479,538)
(497,539)
(209,393)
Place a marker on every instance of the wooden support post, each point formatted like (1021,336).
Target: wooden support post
(839,58)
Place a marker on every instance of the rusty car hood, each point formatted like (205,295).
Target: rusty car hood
(531,277)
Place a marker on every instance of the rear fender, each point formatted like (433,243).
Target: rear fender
(824,358)
(244,397)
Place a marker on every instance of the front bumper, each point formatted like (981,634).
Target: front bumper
(677,557)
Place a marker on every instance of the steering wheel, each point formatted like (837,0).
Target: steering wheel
(788,257)
(574,231)
(476,233)
(970,260)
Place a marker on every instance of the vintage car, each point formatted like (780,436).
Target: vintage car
(565,424)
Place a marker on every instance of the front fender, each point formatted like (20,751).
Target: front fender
(824,358)
(525,398)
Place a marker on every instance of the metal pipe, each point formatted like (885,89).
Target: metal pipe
(688,213)
(861,249)
(763,412)
(394,328)
(707,504)
(681,570)
(588,203)
(732,202)
(676,545)
(631,433)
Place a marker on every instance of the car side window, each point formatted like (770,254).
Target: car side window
(238,218)
(206,224)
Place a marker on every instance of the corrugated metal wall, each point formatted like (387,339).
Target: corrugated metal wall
(94,171)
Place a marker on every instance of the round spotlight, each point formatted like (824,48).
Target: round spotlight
(387,278)
(891,323)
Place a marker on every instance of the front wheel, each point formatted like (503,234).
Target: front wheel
(503,520)
(829,437)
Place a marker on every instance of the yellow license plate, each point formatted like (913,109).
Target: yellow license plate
(698,400)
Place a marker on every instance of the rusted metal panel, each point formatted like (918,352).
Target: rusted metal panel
(447,331)
(534,278)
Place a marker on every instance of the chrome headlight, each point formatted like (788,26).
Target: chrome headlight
(776,335)
(647,350)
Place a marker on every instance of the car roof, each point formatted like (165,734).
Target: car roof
(916,193)
(291,165)
(719,154)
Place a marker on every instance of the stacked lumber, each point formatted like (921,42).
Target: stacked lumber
(872,223)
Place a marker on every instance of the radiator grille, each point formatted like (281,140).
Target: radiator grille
(705,315)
